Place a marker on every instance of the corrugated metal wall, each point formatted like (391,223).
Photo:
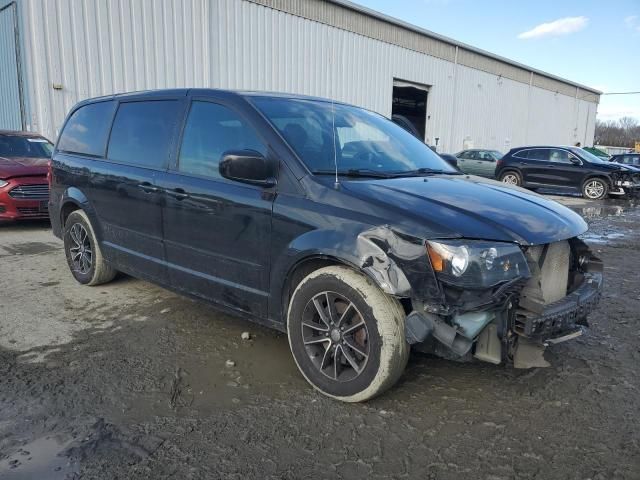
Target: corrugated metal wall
(10,109)
(93,48)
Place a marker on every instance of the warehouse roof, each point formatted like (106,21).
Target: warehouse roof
(349,16)
(428,33)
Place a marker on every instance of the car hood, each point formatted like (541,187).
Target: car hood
(473,207)
(22,166)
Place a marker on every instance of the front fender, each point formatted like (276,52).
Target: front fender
(396,262)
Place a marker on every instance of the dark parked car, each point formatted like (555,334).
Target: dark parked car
(627,159)
(24,190)
(566,168)
(320,219)
(450,159)
(478,162)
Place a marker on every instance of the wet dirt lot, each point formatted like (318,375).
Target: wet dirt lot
(129,381)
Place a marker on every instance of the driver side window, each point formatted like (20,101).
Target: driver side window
(559,156)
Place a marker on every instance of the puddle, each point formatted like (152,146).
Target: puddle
(28,248)
(40,459)
(604,238)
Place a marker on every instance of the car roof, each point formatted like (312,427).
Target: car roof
(179,92)
(20,133)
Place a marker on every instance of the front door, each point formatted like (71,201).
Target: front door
(217,232)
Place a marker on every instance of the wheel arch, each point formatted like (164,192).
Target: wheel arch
(601,176)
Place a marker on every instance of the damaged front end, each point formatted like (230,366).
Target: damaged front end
(625,183)
(502,302)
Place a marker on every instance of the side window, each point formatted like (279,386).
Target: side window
(559,156)
(539,154)
(87,129)
(523,154)
(142,132)
(464,155)
(212,130)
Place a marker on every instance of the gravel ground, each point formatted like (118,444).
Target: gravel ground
(130,381)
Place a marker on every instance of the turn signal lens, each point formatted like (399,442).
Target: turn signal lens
(437,261)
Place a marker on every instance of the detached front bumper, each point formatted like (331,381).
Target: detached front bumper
(564,316)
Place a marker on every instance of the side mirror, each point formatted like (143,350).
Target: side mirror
(575,161)
(248,166)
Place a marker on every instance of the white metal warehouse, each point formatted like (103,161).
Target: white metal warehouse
(54,53)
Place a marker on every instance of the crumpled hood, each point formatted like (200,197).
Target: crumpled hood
(473,207)
(22,166)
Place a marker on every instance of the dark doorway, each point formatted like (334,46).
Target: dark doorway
(409,108)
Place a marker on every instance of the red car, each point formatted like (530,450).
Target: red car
(24,189)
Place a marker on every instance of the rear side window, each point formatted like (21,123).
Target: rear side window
(87,130)
(522,154)
(539,154)
(142,133)
(212,130)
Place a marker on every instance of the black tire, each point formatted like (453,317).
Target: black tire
(511,177)
(595,188)
(83,253)
(381,351)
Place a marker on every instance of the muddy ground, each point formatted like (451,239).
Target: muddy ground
(128,381)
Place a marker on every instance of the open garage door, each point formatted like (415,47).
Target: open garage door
(11,109)
(409,108)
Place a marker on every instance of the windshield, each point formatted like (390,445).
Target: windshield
(588,156)
(365,143)
(15,146)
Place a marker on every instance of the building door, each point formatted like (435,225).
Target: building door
(409,107)
(11,109)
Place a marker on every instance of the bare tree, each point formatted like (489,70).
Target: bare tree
(618,133)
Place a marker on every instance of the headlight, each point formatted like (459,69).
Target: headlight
(476,264)
(3,183)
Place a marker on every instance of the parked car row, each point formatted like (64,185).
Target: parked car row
(557,167)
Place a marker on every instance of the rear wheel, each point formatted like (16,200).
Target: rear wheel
(84,256)
(346,335)
(511,178)
(595,189)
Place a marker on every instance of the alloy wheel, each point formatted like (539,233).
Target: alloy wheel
(80,250)
(594,189)
(510,179)
(335,336)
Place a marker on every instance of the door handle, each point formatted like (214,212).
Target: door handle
(178,193)
(148,188)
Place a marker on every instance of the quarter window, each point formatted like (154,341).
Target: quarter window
(523,154)
(142,133)
(212,130)
(87,129)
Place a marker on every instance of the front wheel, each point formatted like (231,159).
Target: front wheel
(346,335)
(595,189)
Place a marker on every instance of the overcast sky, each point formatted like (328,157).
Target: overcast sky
(596,43)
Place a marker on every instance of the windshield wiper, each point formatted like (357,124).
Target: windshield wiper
(425,171)
(356,172)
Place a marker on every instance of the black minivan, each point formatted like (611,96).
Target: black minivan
(322,220)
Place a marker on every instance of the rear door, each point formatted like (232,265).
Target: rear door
(486,164)
(217,232)
(464,161)
(124,189)
(536,169)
